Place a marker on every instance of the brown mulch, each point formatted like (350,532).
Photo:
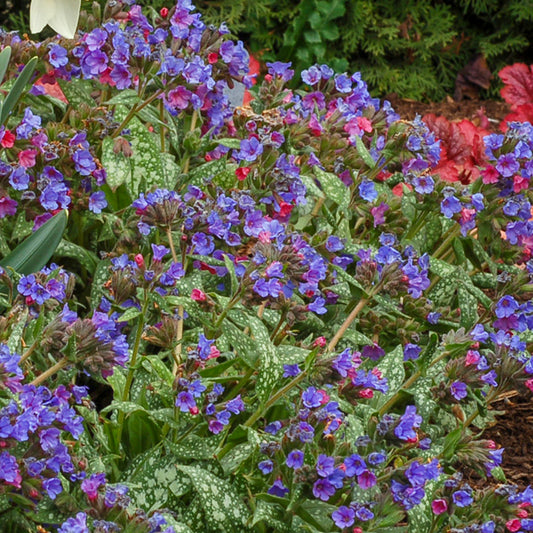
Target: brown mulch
(514,432)
(467,108)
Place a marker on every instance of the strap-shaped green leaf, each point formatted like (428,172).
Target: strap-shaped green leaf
(5,56)
(32,254)
(16,91)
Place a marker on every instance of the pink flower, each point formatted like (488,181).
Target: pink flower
(513,525)
(198,296)
(439,506)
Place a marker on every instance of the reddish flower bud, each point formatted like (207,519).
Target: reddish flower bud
(198,296)
(212,58)
(164,12)
(139,260)
(366,393)
(513,525)
(242,172)
(320,341)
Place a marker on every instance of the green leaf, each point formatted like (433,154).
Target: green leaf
(13,342)
(391,365)
(5,56)
(271,368)
(85,257)
(366,156)
(230,265)
(32,254)
(223,506)
(451,441)
(468,306)
(146,161)
(333,187)
(230,142)
(118,166)
(126,96)
(77,93)
(16,91)
(129,314)
(156,480)
(243,345)
(101,276)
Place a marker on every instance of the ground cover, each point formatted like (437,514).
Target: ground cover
(308,313)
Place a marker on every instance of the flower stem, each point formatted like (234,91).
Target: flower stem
(346,324)
(50,372)
(132,367)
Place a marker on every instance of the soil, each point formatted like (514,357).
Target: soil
(471,109)
(514,432)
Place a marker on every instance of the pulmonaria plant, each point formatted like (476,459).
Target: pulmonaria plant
(288,316)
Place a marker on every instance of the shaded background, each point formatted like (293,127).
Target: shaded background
(412,48)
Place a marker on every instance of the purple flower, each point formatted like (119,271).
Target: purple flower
(159,251)
(323,489)
(278,489)
(311,76)
(317,306)
(281,70)
(19,179)
(185,402)
(355,465)
(9,470)
(373,352)
(291,370)
(507,165)
(424,184)
(97,202)
(449,206)
(458,390)
(53,487)
(325,465)
(250,150)
(57,56)
(76,524)
(266,466)
(84,162)
(506,307)
(411,351)
(343,517)
(366,479)
(295,459)
(405,430)
(462,498)
(311,398)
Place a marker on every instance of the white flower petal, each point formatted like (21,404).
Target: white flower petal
(61,15)
(67,14)
(40,13)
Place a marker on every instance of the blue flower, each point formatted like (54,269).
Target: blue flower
(462,498)
(458,390)
(343,517)
(295,459)
(367,191)
(97,202)
(450,205)
(405,430)
(278,489)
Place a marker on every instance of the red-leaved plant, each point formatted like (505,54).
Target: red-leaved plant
(518,92)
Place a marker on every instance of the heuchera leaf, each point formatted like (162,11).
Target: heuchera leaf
(520,113)
(462,149)
(518,80)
